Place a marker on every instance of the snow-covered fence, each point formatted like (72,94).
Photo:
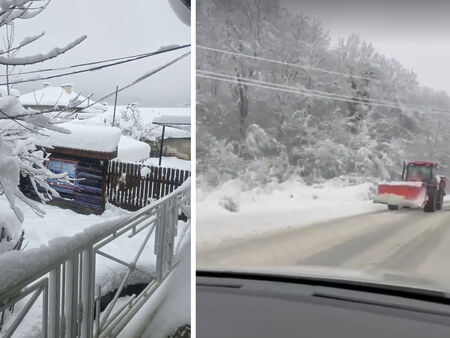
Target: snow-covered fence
(132,186)
(63,273)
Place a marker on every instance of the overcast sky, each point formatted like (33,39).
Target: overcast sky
(416,33)
(114,29)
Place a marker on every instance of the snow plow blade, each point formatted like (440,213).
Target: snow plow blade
(402,194)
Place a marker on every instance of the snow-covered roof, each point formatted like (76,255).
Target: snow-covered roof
(131,150)
(172,119)
(82,137)
(149,114)
(57,96)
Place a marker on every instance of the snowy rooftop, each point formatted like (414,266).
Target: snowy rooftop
(131,150)
(148,115)
(57,96)
(172,119)
(83,137)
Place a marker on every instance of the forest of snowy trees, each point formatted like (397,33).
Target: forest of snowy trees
(332,110)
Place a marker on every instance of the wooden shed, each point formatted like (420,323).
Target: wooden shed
(84,155)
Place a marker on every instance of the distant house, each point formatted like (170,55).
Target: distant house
(57,98)
(84,154)
(177,141)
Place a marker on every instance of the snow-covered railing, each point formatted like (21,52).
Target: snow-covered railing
(64,272)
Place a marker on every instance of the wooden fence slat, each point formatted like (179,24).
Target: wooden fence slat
(150,183)
(136,191)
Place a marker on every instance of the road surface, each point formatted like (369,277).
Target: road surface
(408,240)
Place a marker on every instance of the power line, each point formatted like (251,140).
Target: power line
(94,62)
(295,90)
(139,79)
(287,63)
(98,67)
(328,94)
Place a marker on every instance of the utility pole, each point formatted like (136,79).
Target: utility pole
(115,105)
(162,144)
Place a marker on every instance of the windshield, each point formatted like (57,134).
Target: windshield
(418,173)
(305,114)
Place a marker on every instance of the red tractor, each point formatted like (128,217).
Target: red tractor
(420,187)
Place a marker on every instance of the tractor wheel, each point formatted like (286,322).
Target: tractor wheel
(431,203)
(393,207)
(439,200)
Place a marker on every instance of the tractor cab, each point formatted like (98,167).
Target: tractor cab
(419,171)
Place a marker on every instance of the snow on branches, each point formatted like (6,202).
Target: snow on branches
(19,127)
(19,155)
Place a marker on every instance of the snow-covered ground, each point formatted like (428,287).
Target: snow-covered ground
(227,212)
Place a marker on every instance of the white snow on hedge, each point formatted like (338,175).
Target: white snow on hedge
(131,150)
(227,212)
(82,137)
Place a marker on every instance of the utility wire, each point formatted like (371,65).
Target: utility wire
(140,79)
(273,86)
(305,67)
(92,62)
(97,67)
(312,91)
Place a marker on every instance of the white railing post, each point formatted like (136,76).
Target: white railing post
(54,302)
(71,300)
(87,292)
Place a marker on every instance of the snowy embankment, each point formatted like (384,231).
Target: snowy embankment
(227,212)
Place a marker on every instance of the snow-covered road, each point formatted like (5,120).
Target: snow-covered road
(408,241)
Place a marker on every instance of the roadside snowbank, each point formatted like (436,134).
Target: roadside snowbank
(227,212)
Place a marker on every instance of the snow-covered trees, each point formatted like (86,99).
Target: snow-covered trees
(20,127)
(355,112)
(130,122)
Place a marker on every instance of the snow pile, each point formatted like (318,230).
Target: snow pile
(82,137)
(227,212)
(131,150)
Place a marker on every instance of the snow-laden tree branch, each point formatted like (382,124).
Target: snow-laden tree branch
(20,158)
(29,60)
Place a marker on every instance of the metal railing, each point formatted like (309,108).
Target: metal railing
(64,272)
